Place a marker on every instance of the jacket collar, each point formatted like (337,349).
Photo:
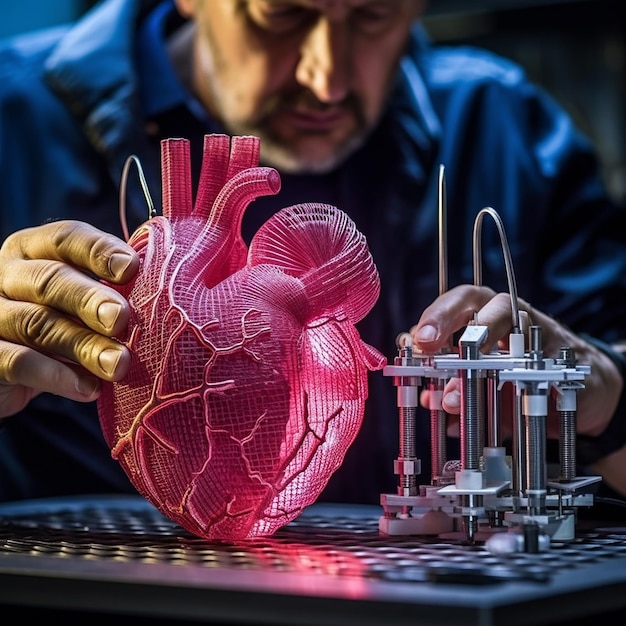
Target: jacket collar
(412,104)
(91,69)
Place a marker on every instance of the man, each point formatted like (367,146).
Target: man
(356,109)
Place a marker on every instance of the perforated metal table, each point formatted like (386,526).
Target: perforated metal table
(118,556)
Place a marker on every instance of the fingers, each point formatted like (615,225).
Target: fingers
(47,265)
(456,308)
(450,403)
(450,399)
(26,373)
(447,314)
(28,368)
(44,329)
(58,286)
(453,310)
(450,313)
(78,244)
(58,320)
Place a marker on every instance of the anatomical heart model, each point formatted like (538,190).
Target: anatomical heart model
(248,376)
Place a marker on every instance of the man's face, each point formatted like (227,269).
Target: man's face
(308,77)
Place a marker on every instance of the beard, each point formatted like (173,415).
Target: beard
(306,153)
(274,153)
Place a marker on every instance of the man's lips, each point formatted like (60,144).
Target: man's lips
(316,120)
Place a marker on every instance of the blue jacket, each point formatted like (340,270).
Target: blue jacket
(75,102)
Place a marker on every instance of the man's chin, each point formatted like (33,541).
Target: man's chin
(305,159)
(289,164)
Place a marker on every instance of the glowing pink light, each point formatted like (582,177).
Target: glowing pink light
(249,378)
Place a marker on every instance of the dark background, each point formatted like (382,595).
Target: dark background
(576,49)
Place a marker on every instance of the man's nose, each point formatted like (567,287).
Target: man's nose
(324,65)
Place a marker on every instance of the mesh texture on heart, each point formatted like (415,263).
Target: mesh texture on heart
(248,376)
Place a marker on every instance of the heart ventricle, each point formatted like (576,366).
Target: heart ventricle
(248,376)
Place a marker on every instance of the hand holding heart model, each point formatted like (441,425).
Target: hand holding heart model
(248,376)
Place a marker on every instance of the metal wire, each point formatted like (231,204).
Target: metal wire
(144,186)
(508,263)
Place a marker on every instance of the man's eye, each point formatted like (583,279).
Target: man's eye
(277,17)
(373,19)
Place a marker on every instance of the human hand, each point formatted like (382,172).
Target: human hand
(454,309)
(58,323)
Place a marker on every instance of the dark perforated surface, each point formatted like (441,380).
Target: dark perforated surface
(323,540)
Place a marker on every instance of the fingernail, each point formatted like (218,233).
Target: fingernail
(452,400)
(426,333)
(108,360)
(108,312)
(88,386)
(118,263)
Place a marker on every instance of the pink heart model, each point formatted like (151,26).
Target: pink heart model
(248,378)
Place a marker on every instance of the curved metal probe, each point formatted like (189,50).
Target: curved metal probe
(438,420)
(508,263)
(443,232)
(472,418)
(144,186)
(517,329)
